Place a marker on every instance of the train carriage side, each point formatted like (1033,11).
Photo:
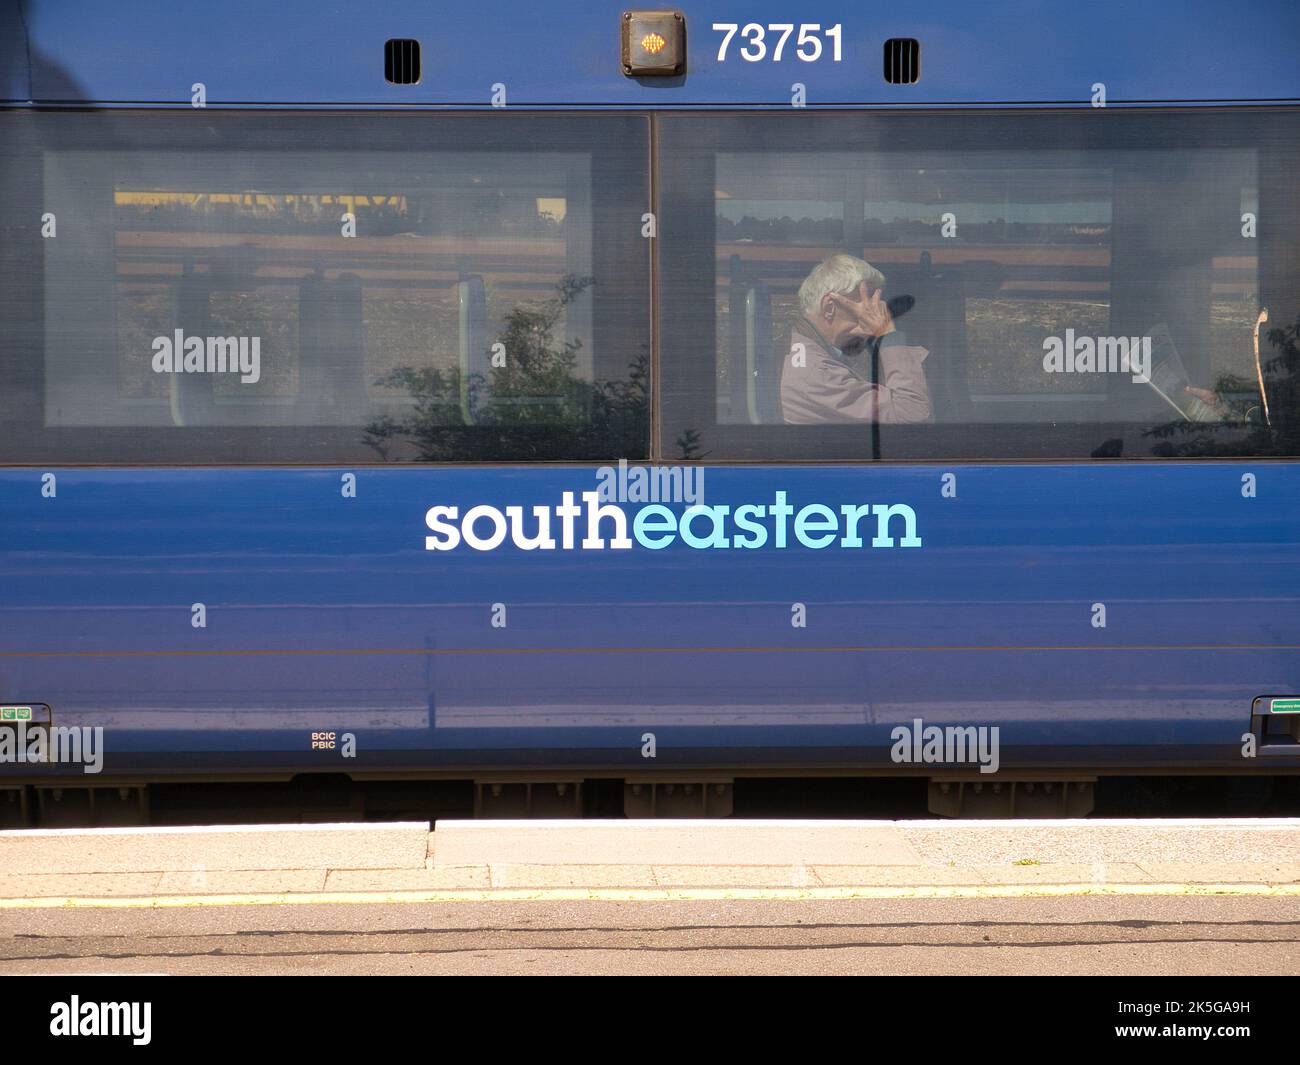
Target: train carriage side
(354,427)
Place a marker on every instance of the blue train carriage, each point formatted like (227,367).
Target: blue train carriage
(414,394)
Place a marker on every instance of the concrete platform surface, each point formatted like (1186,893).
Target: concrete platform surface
(645,860)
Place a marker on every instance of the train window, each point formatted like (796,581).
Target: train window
(253,288)
(937,287)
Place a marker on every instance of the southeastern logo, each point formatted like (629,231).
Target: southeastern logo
(604,525)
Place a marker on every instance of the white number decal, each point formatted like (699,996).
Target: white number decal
(808,35)
(786,29)
(755,33)
(834,34)
(730,28)
(809,40)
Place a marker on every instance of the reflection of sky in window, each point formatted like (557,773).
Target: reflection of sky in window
(1075,191)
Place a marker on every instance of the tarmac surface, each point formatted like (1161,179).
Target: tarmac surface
(612,897)
(1080,935)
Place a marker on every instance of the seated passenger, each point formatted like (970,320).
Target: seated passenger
(842,310)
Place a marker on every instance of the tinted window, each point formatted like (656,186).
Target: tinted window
(1063,286)
(268,288)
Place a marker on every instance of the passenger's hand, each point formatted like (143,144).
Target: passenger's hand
(1210,399)
(870,314)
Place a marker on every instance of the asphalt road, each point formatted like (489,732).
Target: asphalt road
(1230,935)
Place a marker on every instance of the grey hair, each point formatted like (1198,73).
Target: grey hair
(839,273)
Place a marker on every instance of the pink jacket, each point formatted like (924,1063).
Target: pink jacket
(826,389)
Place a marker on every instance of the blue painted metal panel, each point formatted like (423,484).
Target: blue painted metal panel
(246,51)
(328,613)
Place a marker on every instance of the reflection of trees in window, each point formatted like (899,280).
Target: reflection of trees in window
(250,211)
(928,230)
(473,213)
(925,228)
(534,407)
(783,230)
(1243,412)
(690,445)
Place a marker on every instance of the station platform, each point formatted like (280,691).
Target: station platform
(661,860)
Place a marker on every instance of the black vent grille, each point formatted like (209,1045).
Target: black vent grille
(902,61)
(402,61)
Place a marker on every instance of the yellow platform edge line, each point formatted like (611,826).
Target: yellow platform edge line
(703,894)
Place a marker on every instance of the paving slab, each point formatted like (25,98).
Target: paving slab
(133,850)
(1111,840)
(671,842)
(78,885)
(1223,872)
(243,882)
(774,876)
(893,876)
(1063,873)
(443,878)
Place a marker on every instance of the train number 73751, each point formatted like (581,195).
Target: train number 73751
(763,42)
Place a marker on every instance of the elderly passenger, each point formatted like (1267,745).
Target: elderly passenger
(842,309)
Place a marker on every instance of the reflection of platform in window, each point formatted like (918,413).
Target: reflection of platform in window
(143,312)
(407,327)
(1005,338)
(1232,321)
(270,312)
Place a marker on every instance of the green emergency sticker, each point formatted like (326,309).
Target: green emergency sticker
(1284,706)
(15,713)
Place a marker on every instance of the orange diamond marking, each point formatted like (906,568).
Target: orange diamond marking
(653,43)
